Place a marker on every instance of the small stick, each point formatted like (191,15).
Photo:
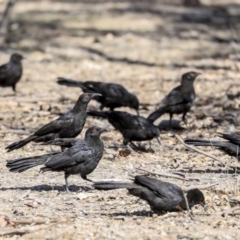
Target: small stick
(187,205)
(25,230)
(200,186)
(198,150)
(228,211)
(206,154)
(169,175)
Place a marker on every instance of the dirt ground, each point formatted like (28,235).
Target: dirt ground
(145,45)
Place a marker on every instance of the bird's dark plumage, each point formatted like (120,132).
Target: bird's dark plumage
(132,127)
(179,100)
(69,125)
(82,156)
(232,146)
(161,196)
(11,72)
(113,95)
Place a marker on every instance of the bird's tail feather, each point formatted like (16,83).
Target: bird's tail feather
(23,164)
(134,189)
(113,185)
(20,143)
(156,114)
(69,82)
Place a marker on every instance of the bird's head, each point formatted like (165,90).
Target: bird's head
(190,76)
(16,57)
(133,102)
(86,97)
(95,132)
(195,196)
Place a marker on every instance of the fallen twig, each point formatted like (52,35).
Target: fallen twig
(200,186)
(24,230)
(198,150)
(228,212)
(190,214)
(169,175)
(206,154)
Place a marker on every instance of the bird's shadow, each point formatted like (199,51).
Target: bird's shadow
(48,188)
(142,213)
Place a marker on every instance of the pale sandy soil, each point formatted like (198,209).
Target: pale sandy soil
(145,45)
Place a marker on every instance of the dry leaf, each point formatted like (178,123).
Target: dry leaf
(124,153)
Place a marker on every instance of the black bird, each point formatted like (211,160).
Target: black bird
(68,125)
(113,95)
(132,127)
(161,196)
(179,100)
(81,158)
(232,146)
(11,72)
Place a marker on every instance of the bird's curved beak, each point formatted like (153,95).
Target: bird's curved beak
(104,129)
(96,95)
(159,140)
(199,74)
(205,206)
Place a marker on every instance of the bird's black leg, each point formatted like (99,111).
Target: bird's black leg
(66,182)
(184,117)
(138,148)
(14,88)
(170,120)
(101,107)
(134,145)
(85,178)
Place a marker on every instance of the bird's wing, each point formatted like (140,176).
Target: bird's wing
(135,122)
(142,122)
(65,142)
(164,190)
(57,125)
(75,155)
(176,96)
(4,72)
(115,91)
(124,119)
(92,87)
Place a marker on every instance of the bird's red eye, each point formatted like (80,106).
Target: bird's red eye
(192,74)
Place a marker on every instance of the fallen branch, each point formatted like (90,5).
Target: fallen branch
(205,154)
(190,214)
(24,230)
(228,212)
(198,150)
(169,175)
(200,186)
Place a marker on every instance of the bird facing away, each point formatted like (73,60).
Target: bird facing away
(179,100)
(11,72)
(113,95)
(232,146)
(69,125)
(161,196)
(132,127)
(82,156)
